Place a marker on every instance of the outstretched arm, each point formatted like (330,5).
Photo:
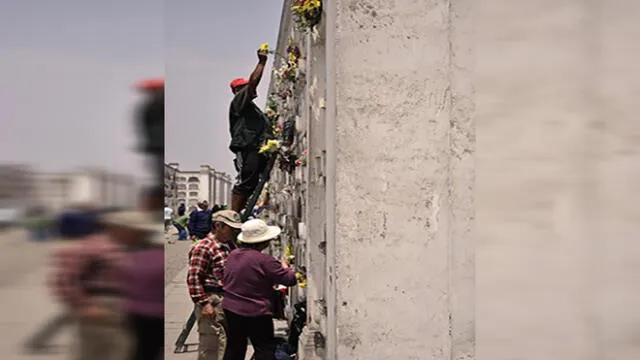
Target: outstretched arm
(243,98)
(256,75)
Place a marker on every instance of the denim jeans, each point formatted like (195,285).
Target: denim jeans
(182,233)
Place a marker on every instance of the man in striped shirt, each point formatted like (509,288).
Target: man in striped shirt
(90,278)
(207,259)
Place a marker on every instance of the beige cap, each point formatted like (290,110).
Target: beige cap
(138,220)
(228,217)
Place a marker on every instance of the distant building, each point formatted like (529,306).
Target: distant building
(197,185)
(16,186)
(170,187)
(101,188)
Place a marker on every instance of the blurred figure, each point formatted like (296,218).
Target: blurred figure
(74,223)
(168,217)
(182,209)
(77,221)
(200,221)
(150,121)
(181,224)
(89,280)
(39,224)
(144,292)
(144,285)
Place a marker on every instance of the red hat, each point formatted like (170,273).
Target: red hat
(150,84)
(238,82)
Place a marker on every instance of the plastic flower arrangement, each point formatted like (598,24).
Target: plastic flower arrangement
(284,93)
(293,53)
(307,13)
(302,160)
(288,70)
(277,129)
(288,252)
(271,113)
(270,147)
(302,280)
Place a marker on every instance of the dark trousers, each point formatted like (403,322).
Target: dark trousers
(250,165)
(149,337)
(258,329)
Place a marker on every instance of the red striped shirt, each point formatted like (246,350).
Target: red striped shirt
(207,259)
(95,264)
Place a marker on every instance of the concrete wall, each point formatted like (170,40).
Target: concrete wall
(404,253)
(554,207)
(557,179)
(398,280)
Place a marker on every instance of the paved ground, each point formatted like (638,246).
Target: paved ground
(26,303)
(175,257)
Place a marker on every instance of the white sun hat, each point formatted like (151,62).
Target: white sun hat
(257,231)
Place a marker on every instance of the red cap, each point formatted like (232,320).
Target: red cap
(238,82)
(150,84)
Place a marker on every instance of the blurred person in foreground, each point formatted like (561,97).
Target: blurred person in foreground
(144,291)
(75,223)
(249,280)
(207,260)
(150,124)
(98,279)
(144,275)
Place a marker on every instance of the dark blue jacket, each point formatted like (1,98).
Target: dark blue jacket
(200,223)
(76,224)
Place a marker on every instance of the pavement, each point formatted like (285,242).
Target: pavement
(26,301)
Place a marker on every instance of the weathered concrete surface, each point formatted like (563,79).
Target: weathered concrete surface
(404,269)
(557,180)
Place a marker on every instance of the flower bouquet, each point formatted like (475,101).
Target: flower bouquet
(307,13)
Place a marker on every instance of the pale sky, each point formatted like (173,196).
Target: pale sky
(67,67)
(209,43)
(66,71)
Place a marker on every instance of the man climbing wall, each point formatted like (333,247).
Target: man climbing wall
(248,126)
(150,121)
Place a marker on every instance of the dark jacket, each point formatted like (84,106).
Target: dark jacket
(75,224)
(200,223)
(181,210)
(151,124)
(248,125)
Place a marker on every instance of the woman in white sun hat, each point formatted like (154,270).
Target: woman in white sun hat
(249,278)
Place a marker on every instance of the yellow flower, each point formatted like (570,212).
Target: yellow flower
(292,58)
(302,281)
(270,146)
(264,47)
(288,252)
